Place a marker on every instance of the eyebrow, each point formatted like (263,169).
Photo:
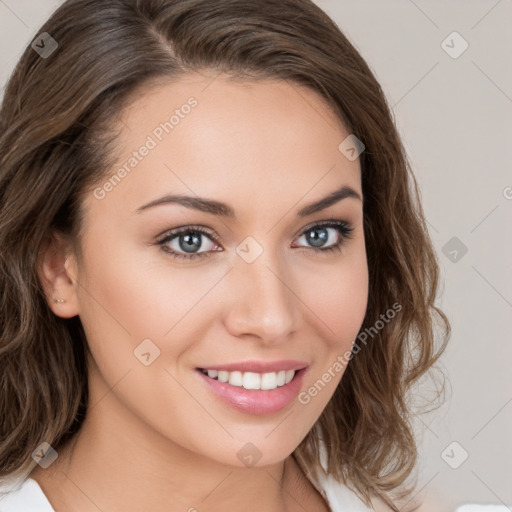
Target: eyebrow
(221,209)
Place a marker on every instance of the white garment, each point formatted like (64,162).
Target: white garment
(27,498)
(337,495)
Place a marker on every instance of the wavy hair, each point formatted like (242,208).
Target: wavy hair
(57,142)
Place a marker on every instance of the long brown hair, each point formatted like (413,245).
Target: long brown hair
(56,142)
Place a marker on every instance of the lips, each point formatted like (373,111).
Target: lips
(254,401)
(258,366)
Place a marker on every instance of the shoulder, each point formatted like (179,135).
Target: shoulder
(23,494)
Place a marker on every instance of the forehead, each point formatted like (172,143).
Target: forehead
(242,142)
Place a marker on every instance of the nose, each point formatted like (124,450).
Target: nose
(264,301)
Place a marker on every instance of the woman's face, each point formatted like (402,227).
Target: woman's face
(257,283)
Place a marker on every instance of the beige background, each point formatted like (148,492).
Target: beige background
(455,118)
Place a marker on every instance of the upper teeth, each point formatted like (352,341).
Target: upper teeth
(251,380)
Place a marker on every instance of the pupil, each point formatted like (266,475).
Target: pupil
(190,241)
(317,240)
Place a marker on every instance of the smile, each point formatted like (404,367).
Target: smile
(252,392)
(252,380)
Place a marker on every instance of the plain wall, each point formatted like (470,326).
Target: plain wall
(454,115)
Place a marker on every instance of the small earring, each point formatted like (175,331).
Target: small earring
(59,300)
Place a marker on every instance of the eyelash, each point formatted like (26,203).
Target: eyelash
(343,228)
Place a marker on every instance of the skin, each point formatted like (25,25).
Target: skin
(267,149)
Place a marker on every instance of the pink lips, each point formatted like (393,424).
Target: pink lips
(256,401)
(258,366)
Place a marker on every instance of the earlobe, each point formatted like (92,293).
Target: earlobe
(56,278)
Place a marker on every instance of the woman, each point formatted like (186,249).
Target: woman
(218,286)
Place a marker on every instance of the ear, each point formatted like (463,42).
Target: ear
(57,272)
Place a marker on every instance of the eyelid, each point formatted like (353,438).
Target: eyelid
(344,228)
(187,227)
(328,220)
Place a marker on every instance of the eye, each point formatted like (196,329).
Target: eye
(187,240)
(324,240)
(184,243)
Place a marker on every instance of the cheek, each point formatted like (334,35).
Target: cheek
(134,294)
(337,303)
(125,301)
(338,299)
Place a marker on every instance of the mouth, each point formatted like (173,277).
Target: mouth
(252,380)
(252,392)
